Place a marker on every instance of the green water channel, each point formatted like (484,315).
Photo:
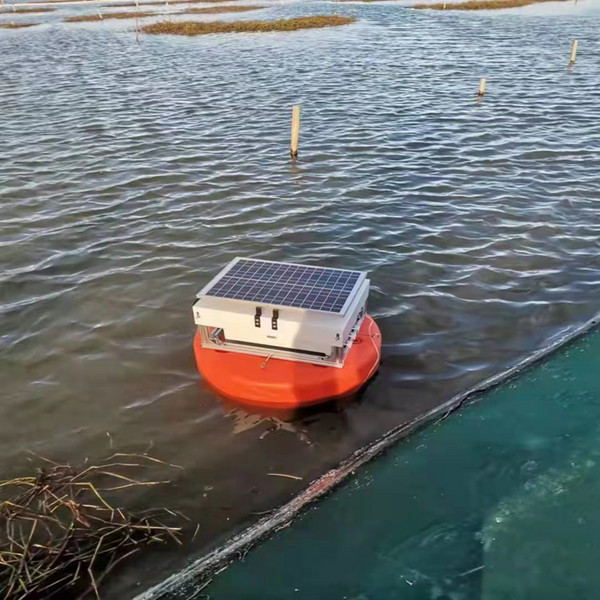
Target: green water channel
(498,501)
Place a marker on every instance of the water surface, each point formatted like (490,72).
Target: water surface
(132,172)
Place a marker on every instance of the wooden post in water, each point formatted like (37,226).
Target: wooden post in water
(481,91)
(573,53)
(295,131)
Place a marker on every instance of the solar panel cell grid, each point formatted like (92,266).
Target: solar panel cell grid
(284,284)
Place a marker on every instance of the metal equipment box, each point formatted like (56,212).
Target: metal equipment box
(282,310)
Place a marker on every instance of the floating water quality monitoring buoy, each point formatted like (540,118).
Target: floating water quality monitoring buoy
(283,335)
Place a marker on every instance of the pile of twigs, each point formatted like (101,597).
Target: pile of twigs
(60,537)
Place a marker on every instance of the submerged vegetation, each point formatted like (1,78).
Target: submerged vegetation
(221,9)
(14,25)
(117,15)
(197,28)
(480,4)
(60,536)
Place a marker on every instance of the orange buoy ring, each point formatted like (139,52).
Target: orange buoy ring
(288,384)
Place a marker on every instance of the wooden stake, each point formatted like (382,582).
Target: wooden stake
(573,53)
(481,91)
(295,131)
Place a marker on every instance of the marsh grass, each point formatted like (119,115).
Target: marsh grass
(220,9)
(81,3)
(130,3)
(14,25)
(480,4)
(117,15)
(162,3)
(26,10)
(197,28)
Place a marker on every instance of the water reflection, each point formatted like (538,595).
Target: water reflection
(247,416)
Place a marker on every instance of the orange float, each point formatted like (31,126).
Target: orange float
(288,384)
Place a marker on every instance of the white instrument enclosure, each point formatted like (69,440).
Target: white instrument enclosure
(286,332)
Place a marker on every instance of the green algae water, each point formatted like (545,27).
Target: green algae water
(498,501)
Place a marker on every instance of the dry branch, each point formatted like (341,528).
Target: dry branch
(60,533)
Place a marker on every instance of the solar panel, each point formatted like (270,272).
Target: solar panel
(285,284)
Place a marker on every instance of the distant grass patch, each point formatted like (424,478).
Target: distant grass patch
(117,15)
(163,2)
(220,9)
(130,3)
(196,28)
(26,10)
(480,4)
(83,2)
(16,25)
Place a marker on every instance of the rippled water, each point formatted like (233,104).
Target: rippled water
(130,172)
